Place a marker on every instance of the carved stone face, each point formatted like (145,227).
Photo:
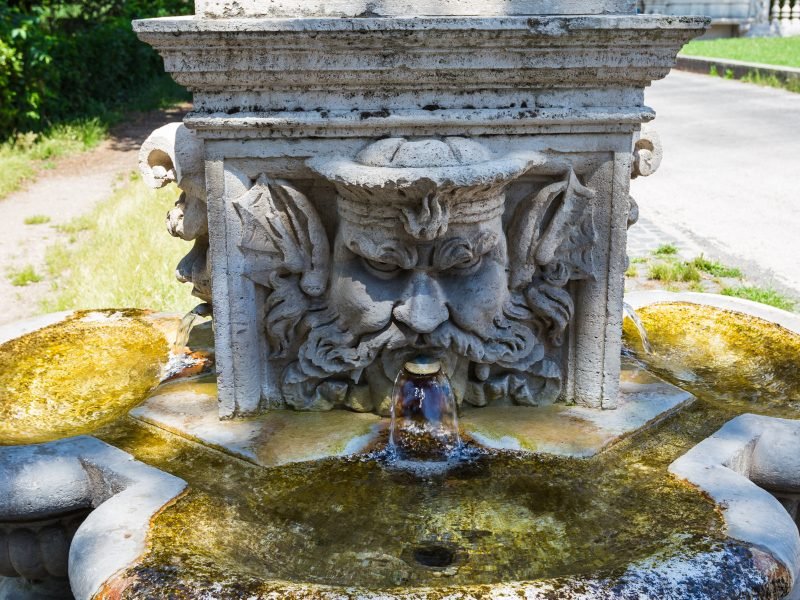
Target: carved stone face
(426,289)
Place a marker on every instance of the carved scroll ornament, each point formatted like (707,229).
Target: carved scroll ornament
(173,154)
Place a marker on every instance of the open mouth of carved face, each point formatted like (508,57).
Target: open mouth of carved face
(392,361)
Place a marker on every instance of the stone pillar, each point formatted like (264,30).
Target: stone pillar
(455,183)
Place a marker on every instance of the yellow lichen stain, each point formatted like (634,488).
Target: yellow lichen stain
(75,376)
(510,517)
(730,358)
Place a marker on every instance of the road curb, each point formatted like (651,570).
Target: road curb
(738,68)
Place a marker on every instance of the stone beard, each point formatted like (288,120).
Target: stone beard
(420,269)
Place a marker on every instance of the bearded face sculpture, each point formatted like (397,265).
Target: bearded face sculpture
(420,264)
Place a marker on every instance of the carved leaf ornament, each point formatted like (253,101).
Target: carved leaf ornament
(546,254)
(288,252)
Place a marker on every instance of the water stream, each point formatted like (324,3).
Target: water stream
(631,313)
(424,416)
(201,311)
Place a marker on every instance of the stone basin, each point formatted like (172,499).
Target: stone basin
(516,523)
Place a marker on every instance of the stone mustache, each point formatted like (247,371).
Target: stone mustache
(423,262)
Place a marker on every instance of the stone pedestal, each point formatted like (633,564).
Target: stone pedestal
(452,184)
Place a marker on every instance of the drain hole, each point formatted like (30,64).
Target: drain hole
(434,556)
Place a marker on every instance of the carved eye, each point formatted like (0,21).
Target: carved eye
(467,264)
(381,268)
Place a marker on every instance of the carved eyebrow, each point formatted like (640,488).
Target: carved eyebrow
(393,252)
(455,250)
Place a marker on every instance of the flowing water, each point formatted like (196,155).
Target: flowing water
(424,419)
(201,311)
(497,517)
(631,313)
(494,517)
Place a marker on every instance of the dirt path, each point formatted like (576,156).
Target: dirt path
(71,189)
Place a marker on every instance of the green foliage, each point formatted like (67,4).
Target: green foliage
(24,276)
(771,51)
(61,61)
(37,220)
(715,268)
(762,295)
(791,84)
(21,156)
(673,271)
(141,269)
(666,250)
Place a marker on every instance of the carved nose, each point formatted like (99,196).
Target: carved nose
(424,310)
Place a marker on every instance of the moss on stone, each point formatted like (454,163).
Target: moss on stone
(72,377)
(242,531)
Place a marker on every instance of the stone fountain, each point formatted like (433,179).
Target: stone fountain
(366,183)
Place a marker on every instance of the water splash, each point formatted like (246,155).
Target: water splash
(201,311)
(631,313)
(424,416)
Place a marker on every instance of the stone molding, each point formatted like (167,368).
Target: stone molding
(307,77)
(400,8)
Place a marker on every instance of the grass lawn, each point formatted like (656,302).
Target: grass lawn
(24,156)
(770,51)
(121,256)
(665,269)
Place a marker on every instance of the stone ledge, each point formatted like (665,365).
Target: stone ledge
(330,62)
(749,449)
(189,409)
(576,431)
(395,8)
(82,472)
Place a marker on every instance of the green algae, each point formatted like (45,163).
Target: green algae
(77,375)
(242,531)
(351,522)
(731,359)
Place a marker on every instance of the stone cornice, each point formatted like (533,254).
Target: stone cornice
(396,8)
(334,56)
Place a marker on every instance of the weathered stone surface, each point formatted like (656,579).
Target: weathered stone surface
(574,430)
(358,170)
(736,466)
(404,8)
(173,154)
(279,437)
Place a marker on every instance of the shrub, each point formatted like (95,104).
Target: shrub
(61,61)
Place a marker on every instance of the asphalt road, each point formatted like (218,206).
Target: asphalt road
(730,178)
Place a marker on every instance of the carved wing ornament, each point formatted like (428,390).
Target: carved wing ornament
(288,252)
(552,239)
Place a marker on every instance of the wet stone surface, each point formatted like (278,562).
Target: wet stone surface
(70,378)
(245,531)
(503,517)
